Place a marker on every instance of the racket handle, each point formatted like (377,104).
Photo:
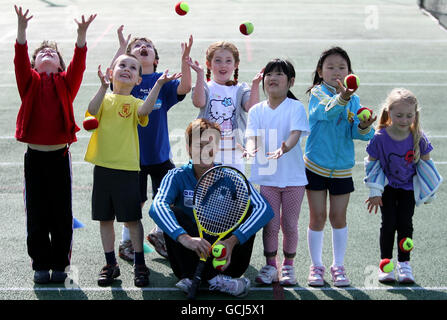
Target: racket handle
(196,280)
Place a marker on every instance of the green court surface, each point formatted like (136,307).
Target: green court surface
(390,43)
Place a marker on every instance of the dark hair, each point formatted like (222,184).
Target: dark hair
(132,42)
(332,51)
(283,66)
(51,45)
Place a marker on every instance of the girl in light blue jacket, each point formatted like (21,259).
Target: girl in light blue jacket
(329,158)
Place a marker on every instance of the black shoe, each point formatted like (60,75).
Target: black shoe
(108,274)
(58,276)
(42,276)
(141,278)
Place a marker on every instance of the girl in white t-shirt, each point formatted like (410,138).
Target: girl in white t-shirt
(273,131)
(223,100)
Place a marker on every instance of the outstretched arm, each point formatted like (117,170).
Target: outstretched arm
(198,96)
(82,30)
(123,44)
(22,24)
(95,103)
(254,92)
(185,82)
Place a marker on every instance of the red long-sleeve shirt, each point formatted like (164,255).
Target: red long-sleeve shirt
(46,114)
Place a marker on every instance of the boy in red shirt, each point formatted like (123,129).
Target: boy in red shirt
(46,123)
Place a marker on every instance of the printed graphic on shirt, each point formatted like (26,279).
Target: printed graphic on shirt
(400,167)
(125,111)
(188,196)
(222,112)
(144,92)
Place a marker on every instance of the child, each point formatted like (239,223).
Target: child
(329,158)
(278,123)
(155,150)
(46,123)
(114,149)
(225,101)
(172,211)
(398,163)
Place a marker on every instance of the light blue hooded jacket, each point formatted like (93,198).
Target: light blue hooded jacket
(334,125)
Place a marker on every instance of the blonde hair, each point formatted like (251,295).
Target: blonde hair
(224,45)
(401,95)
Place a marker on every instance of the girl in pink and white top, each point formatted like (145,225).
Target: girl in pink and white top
(273,130)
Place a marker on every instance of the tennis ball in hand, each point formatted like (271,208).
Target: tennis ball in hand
(246,28)
(218,264)
(181,8)
(406,244)
(364,113)
(352,81)
(386,265)
(90,123)
(219,251)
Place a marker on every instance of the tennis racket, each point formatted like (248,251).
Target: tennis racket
(221,201)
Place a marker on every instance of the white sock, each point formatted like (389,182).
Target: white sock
(339,242)
(315,243)
(125,235)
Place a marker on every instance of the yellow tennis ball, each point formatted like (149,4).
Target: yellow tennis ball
(218,264)
(219,250)
(386,265)
(364,113)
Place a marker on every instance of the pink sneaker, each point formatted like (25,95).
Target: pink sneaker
(339,276)
(316,276)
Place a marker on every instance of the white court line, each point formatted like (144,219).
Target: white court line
(155,289)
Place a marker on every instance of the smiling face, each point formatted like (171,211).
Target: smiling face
(222,65)
(334,68)
(402,115)
(126,71)
(276,83)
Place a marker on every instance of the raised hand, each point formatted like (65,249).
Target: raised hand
(344,92)
(104,78)
(195,66)
(22,24)
(123,41)
(186,48)
(166,78)
(82,29)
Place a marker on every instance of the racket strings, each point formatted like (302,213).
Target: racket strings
(221,200)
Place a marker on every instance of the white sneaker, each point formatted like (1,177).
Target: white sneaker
(404,273)
(184,285)
(386,277)
(267,275)
(288,277)
(316,276)
(237,287)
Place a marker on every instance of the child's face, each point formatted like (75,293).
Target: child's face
(126,71)
(144,51)
(203,148)
(334,67)
(402,116)
(222,65)
(47,60)
(276,83)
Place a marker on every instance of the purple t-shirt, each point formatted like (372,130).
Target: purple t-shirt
(396,157)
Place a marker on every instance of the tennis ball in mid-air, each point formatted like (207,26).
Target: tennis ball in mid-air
(352,81)
(218,264)
(364,113)
(386,265)
(406,244)
(90,123)
(246,28)
(219,250)
(181,8)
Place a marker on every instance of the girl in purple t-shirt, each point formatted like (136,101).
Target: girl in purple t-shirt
(398,145)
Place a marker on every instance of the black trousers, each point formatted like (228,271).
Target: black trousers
(157,173)
(397,217)
(49,218)
(184,261)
